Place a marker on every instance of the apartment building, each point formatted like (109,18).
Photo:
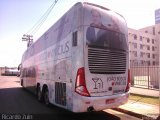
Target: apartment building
(144,45)
(157,16)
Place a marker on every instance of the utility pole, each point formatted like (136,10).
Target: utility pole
(28,38)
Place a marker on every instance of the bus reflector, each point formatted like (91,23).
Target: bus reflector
(128,82)
(80,86)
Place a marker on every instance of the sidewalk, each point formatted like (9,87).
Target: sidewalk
(141,110)
(144,91)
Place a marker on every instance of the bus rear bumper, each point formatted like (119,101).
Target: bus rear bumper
(87,104)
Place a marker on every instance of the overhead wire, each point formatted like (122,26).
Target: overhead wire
(37,26)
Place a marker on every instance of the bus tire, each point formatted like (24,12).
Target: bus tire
(46,97)
(39,94)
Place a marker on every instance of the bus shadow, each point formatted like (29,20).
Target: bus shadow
(63,114)
(98,115)
(21,101)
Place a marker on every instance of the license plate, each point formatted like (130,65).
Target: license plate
(109,101)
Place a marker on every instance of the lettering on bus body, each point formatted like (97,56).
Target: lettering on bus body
(55,51)
(114,85)
(62,49)
(98,83)
(119,80)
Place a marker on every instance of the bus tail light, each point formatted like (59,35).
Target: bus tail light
(128,82)
(80,86)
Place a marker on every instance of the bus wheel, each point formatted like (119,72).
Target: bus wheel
(46,97)
(39,94)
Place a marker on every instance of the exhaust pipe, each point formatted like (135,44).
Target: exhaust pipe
(90,109)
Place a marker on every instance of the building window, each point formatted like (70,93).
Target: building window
(148,40)
(153,48)
(153,41)
(148,55)
(141,46)
(159,32)
(135,45)
(153,30)
(149,63)
(135,37)
(146,31)
(140,38)
(135,53)
(148,47)
(142,62)
(153,56)
(141,54)
(154,63)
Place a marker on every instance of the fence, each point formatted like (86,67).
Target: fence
(145,76)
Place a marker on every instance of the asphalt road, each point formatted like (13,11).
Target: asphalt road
(18,103)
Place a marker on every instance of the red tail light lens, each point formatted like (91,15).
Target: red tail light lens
(128,82)
(80,86)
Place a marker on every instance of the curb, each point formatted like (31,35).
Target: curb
(143,117)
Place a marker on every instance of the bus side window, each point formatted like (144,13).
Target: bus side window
(74,38)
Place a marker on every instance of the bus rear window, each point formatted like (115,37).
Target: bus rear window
(105,38)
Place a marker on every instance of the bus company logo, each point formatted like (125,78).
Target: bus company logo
(98,83)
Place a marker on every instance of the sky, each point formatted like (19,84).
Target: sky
(17,17)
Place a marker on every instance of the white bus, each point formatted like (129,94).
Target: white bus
(81,63)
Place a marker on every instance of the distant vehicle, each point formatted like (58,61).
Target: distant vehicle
(81,63)
(10,72)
